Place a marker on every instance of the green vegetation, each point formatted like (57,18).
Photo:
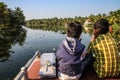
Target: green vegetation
(10,31)
(116,32)
(9,17)
(52,23)
(57,23)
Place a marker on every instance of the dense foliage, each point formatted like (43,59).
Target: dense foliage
(113,17)
(58,24)
(9,17)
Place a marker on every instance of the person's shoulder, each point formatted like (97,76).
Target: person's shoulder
(61,45)
(100,38)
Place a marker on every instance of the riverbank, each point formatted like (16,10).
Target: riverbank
(6,28)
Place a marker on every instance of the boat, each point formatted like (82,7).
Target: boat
(31,71)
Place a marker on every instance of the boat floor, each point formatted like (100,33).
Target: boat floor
(87,75)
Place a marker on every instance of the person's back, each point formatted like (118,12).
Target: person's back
(69,53)
(105,50)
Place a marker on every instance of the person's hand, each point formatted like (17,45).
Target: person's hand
(92,38)
(95,35)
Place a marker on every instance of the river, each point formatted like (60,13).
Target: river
(16,48)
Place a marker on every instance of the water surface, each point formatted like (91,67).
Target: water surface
(16,48)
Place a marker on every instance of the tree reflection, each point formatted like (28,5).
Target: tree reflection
(9,37)
(61,30)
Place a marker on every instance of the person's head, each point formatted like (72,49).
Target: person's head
(74,29)
(101,26)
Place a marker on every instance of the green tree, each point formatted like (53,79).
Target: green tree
(9,17)
(19,16)
(3,15)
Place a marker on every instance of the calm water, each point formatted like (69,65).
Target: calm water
(16,48)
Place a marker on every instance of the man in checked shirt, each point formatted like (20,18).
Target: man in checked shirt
(105,50)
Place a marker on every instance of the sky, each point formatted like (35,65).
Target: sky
(39,9)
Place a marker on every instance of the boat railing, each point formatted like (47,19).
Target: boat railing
(22,75)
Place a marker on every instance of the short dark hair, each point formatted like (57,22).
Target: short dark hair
(102,25)
(74,29)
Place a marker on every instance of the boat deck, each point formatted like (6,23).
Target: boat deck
(87,75)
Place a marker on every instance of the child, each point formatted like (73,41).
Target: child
(70,54)
(105,51)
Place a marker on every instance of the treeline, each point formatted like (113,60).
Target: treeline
(50,23)
(9,17)
(113,17)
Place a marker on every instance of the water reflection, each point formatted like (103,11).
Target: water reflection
(18,46)
(8,38)
(89,31)
(49,28)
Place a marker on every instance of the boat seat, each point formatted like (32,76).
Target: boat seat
(33,73)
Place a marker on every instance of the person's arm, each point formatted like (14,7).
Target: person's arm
(92,38)
(58,53)
(95,35)
(90,47)
(83,55)
(89,50)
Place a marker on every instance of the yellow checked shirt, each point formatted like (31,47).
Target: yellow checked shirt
(107,56)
